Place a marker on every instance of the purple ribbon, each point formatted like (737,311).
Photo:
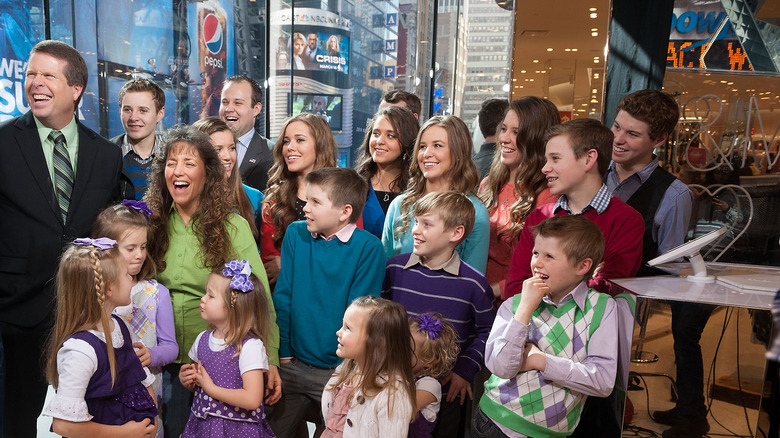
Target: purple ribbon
(239,271)
(430,324)
(101,243)
(138,206)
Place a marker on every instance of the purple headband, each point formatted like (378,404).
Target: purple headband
(138,206)
(239,271)
(430,324)
(101,243)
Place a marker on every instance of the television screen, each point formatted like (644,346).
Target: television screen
(326,105)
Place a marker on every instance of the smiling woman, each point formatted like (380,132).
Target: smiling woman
(195,230)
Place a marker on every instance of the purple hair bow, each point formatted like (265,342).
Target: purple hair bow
(138,206)
(101,243)
(430,324)
(239,271)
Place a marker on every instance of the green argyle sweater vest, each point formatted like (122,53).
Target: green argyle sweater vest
(529,404)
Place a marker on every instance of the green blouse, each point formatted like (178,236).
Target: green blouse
(185,276)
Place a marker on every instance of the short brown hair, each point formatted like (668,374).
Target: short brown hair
(585,134)
(579,238)
(454,209)
(257,92)
(344,187)
(412,101)
(76,69)
(656,108)
(139,85)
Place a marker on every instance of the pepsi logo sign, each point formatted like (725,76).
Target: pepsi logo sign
(212,33)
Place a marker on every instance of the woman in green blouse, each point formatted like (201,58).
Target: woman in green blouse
(194,231)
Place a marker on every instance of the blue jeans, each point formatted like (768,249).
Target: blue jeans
(483,427)
(688,322)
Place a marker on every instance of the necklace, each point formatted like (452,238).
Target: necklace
(387,197)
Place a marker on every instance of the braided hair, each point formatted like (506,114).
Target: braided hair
(83,276)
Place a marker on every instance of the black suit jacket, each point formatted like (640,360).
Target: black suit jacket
(257,162)
(32,234)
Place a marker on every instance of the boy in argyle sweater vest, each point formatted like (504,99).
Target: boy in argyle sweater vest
(555,343)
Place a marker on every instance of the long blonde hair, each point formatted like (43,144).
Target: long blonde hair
(83,277)
(388,353)
(462,174)
(248,314)
(536,116)
(279,204)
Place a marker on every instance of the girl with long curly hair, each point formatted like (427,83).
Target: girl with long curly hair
(385,157)
(442,162)
(305,144)
(194,230)
(516,184)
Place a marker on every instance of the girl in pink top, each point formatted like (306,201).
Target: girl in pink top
(515,184)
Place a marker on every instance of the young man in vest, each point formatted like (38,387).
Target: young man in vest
(643,122)
(554,344)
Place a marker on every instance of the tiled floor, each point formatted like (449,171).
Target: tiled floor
(736,348)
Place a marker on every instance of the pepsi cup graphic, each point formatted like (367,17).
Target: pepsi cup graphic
(212,55)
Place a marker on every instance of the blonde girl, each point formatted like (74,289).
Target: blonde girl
(435,351)
(230,357)
(150,314)
(305,144)
(372,392)
(442,162)
(515,184)
(102,388)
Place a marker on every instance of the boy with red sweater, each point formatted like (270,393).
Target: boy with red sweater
(578,155)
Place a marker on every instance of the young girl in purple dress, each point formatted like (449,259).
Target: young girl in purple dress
(230,358)
(150,313)
(102,388)
(435,352)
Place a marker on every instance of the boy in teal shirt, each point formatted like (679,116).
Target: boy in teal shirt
(327,262)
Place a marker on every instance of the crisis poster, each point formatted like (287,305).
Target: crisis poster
(310,40)
(21,27)
(210,28)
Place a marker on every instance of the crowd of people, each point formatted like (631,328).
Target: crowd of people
(213,283)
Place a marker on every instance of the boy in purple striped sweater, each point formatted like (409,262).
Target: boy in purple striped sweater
(434,279)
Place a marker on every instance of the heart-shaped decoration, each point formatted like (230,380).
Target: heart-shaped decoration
(738,213)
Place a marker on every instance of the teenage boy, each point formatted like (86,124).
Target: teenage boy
(434,279)
(141,108)
(643,123)
(327,262)
(403,99)
(578,154)
(554,344)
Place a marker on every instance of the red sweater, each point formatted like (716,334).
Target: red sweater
(622,227)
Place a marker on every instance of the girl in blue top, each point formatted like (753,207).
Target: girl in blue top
(443,162)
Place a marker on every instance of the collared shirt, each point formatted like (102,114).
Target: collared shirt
(670,223)
(451,266)
(243,145)
(344,234)
(127,148)
(71,133)
(600,202)
(593,376)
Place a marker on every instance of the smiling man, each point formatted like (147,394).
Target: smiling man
(240,105)
(141,107)
(55,175)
